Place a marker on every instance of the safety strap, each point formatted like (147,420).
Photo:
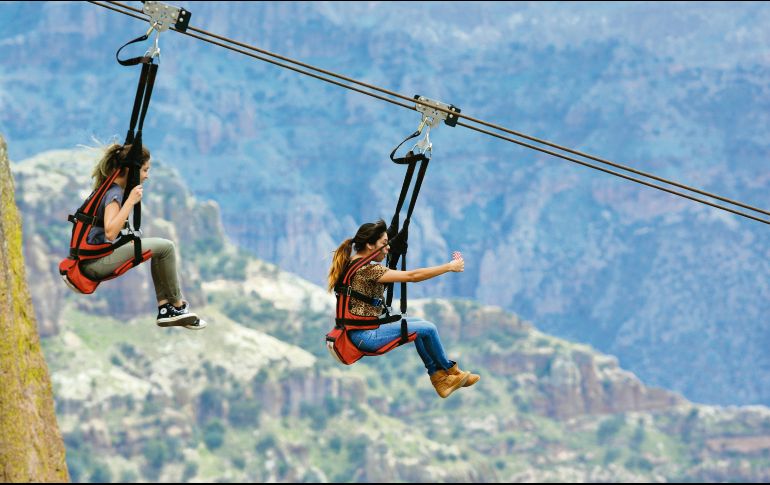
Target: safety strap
(89,208)
(349,291)
(399,236)
(85,218)
(134,60)
(410,156)
(134,135)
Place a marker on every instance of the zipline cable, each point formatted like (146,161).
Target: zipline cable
(459,115)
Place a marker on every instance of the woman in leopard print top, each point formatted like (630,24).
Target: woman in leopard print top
(370,280)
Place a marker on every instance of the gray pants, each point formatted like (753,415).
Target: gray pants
(162,266)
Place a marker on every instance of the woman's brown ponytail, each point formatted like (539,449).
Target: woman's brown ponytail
(113,157)
(368,233)
(340,261)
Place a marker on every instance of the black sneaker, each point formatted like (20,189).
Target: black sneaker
(197,325)
(170,316)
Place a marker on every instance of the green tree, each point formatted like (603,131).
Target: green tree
(190,470)
(609,428)
(210,405)
(244,413)
(214,435)
(101,474)
(156,453)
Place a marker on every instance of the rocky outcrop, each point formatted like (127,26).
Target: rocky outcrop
(560,379)
(31,447)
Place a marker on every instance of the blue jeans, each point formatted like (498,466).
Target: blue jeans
(427,342)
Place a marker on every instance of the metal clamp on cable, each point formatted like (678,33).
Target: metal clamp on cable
(433,116)
(163,16)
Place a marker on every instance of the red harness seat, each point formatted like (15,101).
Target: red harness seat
(338,341)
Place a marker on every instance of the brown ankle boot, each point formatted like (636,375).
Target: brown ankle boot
(472,378)
(446,383)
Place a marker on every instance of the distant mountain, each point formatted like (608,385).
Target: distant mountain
(255,396)
(676,290)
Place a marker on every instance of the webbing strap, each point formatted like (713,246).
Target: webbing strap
(410,156)
(75,253)
(134,60)
(133,158)
(140,88)
(89,208)
(349,291)
(399,237)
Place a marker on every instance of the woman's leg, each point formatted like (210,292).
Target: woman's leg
(164,270)
(163,267)
(428,343)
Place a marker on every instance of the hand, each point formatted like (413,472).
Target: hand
(457,265)
(135,196)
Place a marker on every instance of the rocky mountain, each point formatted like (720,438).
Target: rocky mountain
(676,290)
(255,396)
(31,446)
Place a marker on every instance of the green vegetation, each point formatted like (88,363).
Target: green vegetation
(284,423)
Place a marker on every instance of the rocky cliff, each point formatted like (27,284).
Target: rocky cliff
(31,446)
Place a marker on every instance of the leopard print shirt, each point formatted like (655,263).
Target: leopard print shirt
(365,281)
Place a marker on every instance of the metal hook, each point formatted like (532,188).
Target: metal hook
(154,50)
(424,145)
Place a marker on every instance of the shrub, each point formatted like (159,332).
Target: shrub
(214,435)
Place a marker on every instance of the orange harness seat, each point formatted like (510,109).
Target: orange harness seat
(338,341)
(80,249)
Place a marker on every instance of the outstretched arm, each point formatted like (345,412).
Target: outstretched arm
(421,274)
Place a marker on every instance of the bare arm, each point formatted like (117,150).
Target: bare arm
(421,274)
(115,216)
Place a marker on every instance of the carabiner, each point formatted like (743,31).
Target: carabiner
(154,50)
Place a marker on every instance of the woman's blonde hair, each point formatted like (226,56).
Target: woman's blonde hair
(368,233)
(113,158)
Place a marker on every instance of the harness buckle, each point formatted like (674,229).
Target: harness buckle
(377,301)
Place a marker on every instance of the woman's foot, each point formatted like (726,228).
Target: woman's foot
(445,383)
(171,316)
(198,325)
(472,378)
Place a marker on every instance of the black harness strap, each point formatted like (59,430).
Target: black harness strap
(398,237)
(410,156)
(134,60)
(89,208)
(348,290)
(133,159)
